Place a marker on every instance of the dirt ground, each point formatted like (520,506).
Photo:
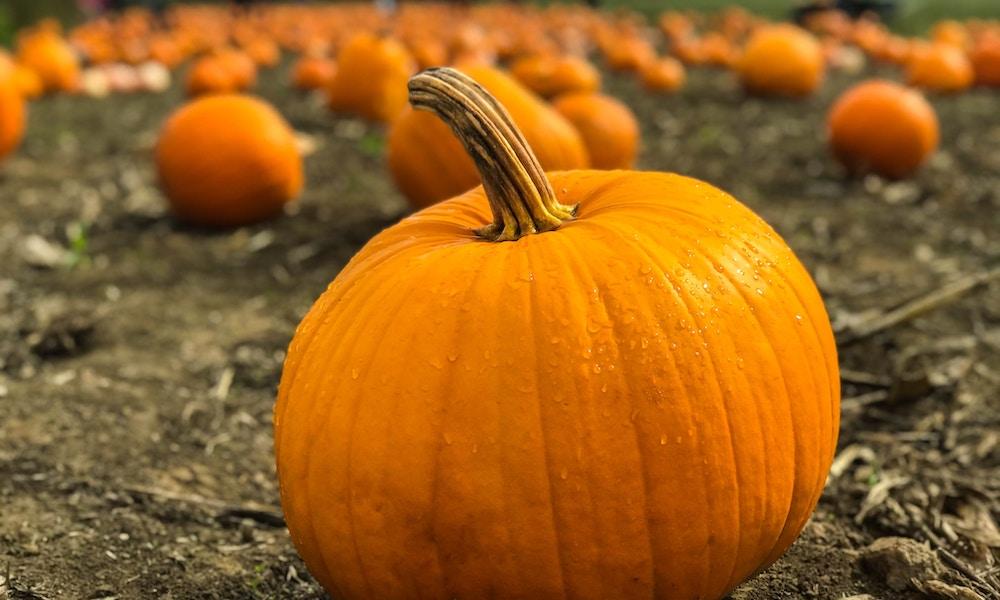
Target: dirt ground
(139,357)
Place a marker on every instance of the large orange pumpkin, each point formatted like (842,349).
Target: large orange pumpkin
(940,67)
(209,75)
(609,129)
(883,127)
(985,59)
(371,78)
(429,164)
(12,108)
(228,160)
(781,60)
(583,384)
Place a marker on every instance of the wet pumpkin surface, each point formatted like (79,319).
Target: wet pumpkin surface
(139,357)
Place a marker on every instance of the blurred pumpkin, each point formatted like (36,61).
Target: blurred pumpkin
(609,129)
(607,385)
(27,81)
(950,32)
(313,73)
(663,75)
(370,81)
(428,162)
(208,75)
(228,160)
(552,75)
(241,68)
(45,52)
(985,60)
(12,108)
(781,60)
(883,127)
(628,52)
(263,52)
(940,68)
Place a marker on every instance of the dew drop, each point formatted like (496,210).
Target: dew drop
(354,373)
(663,440)
(563,474)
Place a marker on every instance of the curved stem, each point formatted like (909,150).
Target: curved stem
(520,196)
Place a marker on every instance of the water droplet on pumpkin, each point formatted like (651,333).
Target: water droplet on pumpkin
(644,342)
(354,373)
(452,357)
(447,439)
(563,474)
(798,319)
(760,291)
(597,368)
(663,440)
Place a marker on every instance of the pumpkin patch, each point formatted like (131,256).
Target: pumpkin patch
(512,300)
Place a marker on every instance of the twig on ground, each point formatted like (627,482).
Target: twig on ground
(264,515)
(932,300)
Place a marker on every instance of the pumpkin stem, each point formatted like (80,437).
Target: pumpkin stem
(520,196)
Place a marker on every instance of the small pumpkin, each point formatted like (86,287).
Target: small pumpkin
(370,81)
(781,60)
(240,67)
(587,384)
(28,82)
(313,73)
(228,160)
(45,52)
(985,60)
(553,75)
(208,75)
(12,108)
(664,74)
(428,162)
(263,52)
(883,127)
(609,129)
(941,68)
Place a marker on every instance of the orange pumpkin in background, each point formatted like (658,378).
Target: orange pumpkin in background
(883,127)
(628,52)
(12,108)
(263,52)
(45,52)
(664,74)
(208,75)
(940,68)
(985,60)
(228,160)
(28,82)
(313,73)
(582,384)
(608,127)
(781,60)
(428,52)
(371,78)
(429,164)
(241,68)
(552,75)
(951,32)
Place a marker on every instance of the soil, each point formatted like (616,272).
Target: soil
(139,357)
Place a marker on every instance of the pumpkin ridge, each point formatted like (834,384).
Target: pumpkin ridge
(577,269)
(778,368)
(330,382)
(788,401)
(682,302)
(533,317)
(643,458)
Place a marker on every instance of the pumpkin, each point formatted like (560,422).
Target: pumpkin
(313,73)
(581,384)
(240,67)
(51,58)
(781,60)
(263,52)
(628,52)
(550,76)
(208,75)
(428,52)
(952,33)
(609,129)
(883,127)
(371,78)
(228,160)
(12,108)
(663,75)
(940,67)
(27,82)
(985,60)
(429,164)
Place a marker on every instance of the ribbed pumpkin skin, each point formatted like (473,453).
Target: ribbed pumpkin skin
(643,403)
(429,164)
